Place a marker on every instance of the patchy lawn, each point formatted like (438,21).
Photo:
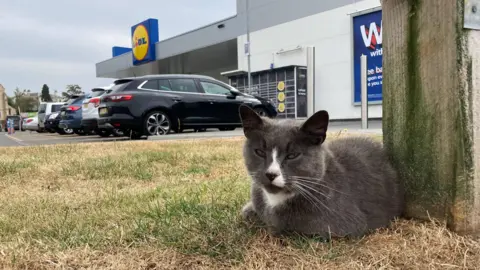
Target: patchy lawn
(175,205)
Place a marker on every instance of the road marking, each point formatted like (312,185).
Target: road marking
(13,138)
(17,140)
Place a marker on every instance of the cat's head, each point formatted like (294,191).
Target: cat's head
(277,152)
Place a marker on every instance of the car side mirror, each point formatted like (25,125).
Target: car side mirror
(232,95)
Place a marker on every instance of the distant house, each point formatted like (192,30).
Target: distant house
(34,95)
(56,98)
(5,109)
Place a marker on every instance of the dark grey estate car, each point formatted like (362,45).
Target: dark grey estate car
(158,104)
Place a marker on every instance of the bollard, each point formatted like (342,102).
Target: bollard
(364,92)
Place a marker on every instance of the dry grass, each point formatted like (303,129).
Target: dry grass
(175,205)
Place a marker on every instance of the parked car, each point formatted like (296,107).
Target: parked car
(17,122)
(71,115)
(31,123)
(51,124)
(90,113)
(44,109)
(158,104)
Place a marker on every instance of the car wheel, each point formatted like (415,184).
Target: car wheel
(261,111)
(68,131)
(135,135)
(118,132)
(157,123)
(103,132)
(79,131)
(227,128)
(199,129)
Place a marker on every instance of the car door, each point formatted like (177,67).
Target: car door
(190,106)
(179,94)
(224,105)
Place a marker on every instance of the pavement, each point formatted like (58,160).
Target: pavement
(32,138)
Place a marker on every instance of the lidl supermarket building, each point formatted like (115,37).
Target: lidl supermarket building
(304,54)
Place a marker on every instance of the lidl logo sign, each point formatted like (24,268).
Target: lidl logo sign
(140,42)
(144,37)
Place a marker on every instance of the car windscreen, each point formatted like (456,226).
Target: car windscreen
(75,100)
(96,93)
(56,107)
(120,85)
(42,108)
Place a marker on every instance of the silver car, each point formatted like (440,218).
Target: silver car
(31,123)
(90,113)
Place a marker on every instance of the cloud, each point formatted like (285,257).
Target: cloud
(58,42)
(42,40)
(40,71)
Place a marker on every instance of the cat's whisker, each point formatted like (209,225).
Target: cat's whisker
(309,197)
(308,178)
(300,179)
(309,194)
(328,187)
(304,185)
(316,181)
(316,202)
(302,193)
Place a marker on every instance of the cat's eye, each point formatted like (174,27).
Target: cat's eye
(292,155)
(260,153)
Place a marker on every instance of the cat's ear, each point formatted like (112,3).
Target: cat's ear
(251,121)
(315,128)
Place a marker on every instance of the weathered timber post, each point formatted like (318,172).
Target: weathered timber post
(431,107)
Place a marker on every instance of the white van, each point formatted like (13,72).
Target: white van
(46,108)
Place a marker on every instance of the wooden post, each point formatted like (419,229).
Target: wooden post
(431,108)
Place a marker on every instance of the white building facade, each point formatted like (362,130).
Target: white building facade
(312,48)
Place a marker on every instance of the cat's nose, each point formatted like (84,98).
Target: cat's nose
(271,176)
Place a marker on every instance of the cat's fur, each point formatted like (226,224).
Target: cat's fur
(343,187)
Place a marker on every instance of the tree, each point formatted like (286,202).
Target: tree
(11,102)
(72,89)
(45,96)
(23,101)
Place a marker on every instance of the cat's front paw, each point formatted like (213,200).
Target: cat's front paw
(249,214)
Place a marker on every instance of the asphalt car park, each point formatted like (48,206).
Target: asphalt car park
(32,138)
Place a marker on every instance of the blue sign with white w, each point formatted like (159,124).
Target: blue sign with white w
(367,40)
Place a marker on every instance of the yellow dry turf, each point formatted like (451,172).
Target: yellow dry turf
(175,205)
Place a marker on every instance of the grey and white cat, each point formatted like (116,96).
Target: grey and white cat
(302,184)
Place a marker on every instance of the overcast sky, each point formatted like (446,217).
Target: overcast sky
(58,42)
